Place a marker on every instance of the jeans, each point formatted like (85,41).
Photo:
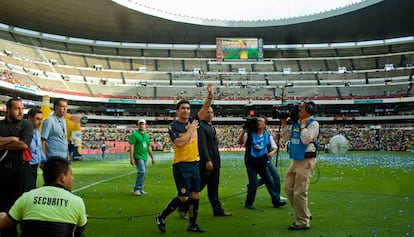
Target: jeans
(276,178)
(254,169)
(141,166)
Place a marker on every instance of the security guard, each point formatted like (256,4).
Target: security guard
(51,210)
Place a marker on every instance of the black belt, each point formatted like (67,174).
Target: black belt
(10,165)
(310,155)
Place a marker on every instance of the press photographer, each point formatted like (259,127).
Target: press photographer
(260,148)
(303,135)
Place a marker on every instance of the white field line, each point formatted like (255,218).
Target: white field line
(102,181)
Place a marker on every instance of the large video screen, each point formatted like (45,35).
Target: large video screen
(239,49)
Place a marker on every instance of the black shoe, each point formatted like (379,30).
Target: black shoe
(281,203)
(297,227)
(160,223)
(223,214)
(251,207)
(195,228)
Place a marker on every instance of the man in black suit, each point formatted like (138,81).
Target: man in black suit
(210,162)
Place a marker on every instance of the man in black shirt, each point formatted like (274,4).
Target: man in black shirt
(210,162)
(13,169)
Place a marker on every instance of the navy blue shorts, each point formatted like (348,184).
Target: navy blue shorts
(187,178)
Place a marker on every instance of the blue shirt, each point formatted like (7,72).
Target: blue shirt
(54,132)
(259,144)
(297,149)
(36,148)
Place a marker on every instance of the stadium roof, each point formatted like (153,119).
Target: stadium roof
(245,13)
(108,21)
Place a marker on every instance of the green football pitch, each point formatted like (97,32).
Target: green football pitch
(354,194)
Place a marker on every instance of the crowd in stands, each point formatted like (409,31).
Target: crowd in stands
(236,90)
(7,75)
(384,137)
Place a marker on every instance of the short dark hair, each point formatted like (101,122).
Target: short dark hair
(53,168)
(33,111)
(10,101)
(57,101)
(264,117)
(181,102)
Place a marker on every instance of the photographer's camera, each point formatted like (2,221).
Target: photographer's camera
(250,124)
(287,111)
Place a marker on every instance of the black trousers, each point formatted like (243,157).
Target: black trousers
(13,181)
(211,180)
(32,177)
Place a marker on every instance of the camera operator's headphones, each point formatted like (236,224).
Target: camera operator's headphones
(310,106)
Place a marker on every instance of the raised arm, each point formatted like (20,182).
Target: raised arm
(284,132)
(241,139)
(207,102)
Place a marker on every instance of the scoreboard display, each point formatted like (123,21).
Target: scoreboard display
(239,49)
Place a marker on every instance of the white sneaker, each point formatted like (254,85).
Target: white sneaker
(143,192)
(137,193)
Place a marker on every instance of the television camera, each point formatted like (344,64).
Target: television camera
(250,124)
(287,111)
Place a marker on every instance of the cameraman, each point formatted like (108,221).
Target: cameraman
(260,146)
(303,136)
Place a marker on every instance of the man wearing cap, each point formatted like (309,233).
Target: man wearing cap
(140,148)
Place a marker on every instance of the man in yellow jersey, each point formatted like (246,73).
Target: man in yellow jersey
(183,133)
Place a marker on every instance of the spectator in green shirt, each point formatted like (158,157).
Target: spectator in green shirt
(140,148)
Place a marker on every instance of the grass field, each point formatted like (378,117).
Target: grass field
(356,194)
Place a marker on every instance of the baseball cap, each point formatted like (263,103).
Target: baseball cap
(142,121)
